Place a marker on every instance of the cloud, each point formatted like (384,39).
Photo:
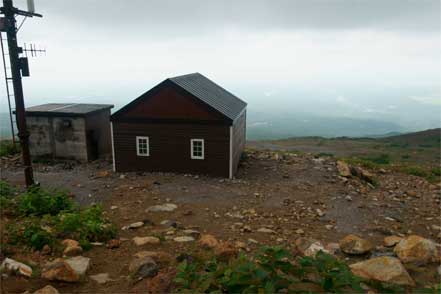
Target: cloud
(139,18)
(432,99)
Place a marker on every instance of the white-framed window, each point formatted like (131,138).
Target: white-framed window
(142,146)
(197,149)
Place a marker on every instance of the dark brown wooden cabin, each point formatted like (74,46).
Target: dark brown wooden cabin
(186,124)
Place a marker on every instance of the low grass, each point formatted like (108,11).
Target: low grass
(47,216)
(431,174)
(8,148)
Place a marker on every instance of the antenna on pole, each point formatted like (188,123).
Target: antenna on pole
(18,67)
(31,6)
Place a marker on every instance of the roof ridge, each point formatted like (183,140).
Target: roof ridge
(181,76)
(211,93)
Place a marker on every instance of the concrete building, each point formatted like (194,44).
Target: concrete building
(69,130)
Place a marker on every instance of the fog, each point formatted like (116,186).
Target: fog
(373,61)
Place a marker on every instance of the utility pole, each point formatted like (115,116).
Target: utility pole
(18,66)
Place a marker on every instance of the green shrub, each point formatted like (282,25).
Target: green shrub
(269,271)
(332,274)
(436,171)
(7,196)
(8,148)
(30,232)
(86,225)
(47,216)
(379,159)
(361,162)
(324,154)
(6,190)
(416,171)
(38,201)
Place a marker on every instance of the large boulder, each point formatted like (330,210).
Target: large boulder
(143,267)
(80,264)
(353,244)
(363,174)
(208,241)
(162,282)
(69,270)
(415,249)
(343,169)
(59,270)
(10,265)
(391,241)
(384,269)
(47,290)
(71,247)
(225,251)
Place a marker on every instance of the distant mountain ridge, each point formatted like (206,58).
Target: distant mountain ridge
(427,138)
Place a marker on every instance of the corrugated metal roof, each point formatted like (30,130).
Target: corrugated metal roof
(67,108)
(211,93)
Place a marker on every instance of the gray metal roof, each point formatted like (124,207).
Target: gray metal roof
(211,93)
(71,109)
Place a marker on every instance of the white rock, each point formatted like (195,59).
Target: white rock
(314,248)
(46,290)
(79,264)
(97,243)
(101,278)
(252,241)
(167,207)
(136,225)
(267,231)
(320,212)
(146,240)
(11,265)
(183,239)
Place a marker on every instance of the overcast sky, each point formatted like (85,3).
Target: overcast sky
(366,58)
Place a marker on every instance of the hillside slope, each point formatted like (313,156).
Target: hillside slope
(418,148)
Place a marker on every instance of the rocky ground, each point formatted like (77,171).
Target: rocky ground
(299,201)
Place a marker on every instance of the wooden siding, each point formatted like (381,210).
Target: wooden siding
(239,135)
(170,148)
(169,102)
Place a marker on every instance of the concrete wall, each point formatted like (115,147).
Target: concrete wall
(70,138)
(40,129)
(62,137)
(99,124)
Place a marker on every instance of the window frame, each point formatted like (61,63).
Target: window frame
(138,138)
(202,157)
